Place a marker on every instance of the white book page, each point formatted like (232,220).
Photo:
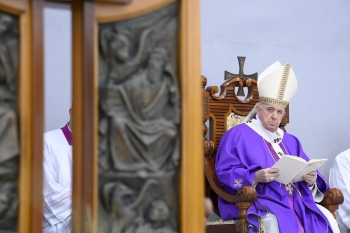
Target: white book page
(289,167)
(312,165)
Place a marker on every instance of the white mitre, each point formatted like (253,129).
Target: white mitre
(276,85)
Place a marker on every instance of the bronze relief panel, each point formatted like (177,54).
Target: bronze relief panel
(9,140)
(139,122)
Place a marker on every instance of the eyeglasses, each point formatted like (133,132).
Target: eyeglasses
(271,110)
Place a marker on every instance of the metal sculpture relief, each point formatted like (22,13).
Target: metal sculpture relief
(139,123)
(9,145)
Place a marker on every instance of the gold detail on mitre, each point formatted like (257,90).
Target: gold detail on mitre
(283,82)
(271,101)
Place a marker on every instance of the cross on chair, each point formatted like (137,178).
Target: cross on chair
(241,75)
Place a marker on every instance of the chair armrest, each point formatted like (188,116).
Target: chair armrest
(333,196)
(245,194)
(332,199)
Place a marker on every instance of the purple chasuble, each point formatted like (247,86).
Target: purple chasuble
(67,133)
(241,153)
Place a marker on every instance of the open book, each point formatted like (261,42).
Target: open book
(292,168)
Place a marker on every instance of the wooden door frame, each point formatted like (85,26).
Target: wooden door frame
(86,17)
(30,110)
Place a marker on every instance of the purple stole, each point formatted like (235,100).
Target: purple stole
(290,197)
(67,133)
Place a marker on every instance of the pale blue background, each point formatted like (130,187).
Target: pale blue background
(57,66)
(313,36)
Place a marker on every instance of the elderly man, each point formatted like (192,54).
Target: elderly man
(248,151)
(58,179)
(339,178)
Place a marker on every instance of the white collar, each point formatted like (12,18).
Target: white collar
(256,125)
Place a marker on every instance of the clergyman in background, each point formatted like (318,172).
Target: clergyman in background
(339,178)
(58,179)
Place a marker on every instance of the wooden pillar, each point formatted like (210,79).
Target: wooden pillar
(191,182)
(37,113)
(84,118)
(30,110)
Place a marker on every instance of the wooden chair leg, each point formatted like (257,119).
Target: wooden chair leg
(243,206)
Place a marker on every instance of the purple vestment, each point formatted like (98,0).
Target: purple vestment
(67,133)
(241,153)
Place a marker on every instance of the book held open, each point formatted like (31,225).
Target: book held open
(292,168)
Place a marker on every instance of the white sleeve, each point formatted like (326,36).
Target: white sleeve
(316,193)
(57,199)
(339,178)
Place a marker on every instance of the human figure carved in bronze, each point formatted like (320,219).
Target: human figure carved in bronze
(143,132)
(157,214)
(115,46)
(139,122)
(9,145)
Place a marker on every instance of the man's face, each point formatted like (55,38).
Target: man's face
(120,45)
(156,63)
(270,116)
(159,211)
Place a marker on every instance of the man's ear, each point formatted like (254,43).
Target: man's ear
(258,110)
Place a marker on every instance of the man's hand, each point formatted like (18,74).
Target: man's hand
(310,178)
(266,175)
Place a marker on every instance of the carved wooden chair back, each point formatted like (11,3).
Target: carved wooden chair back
(222,111)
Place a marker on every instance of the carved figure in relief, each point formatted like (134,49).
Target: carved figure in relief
(9,146)
(139,121)
(8,203)
(8,72)
(115,46)
(143,133)
(157,215)
(8,54)
(127,207)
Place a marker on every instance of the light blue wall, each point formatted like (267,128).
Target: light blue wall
(57,67)
(312,36)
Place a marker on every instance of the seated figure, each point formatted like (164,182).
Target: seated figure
(339,178)
(144,116)
(248,151)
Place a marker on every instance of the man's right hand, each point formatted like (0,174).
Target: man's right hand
(266,175)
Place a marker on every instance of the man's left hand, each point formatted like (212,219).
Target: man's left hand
(310,178)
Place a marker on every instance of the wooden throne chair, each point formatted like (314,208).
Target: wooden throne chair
(222,111)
